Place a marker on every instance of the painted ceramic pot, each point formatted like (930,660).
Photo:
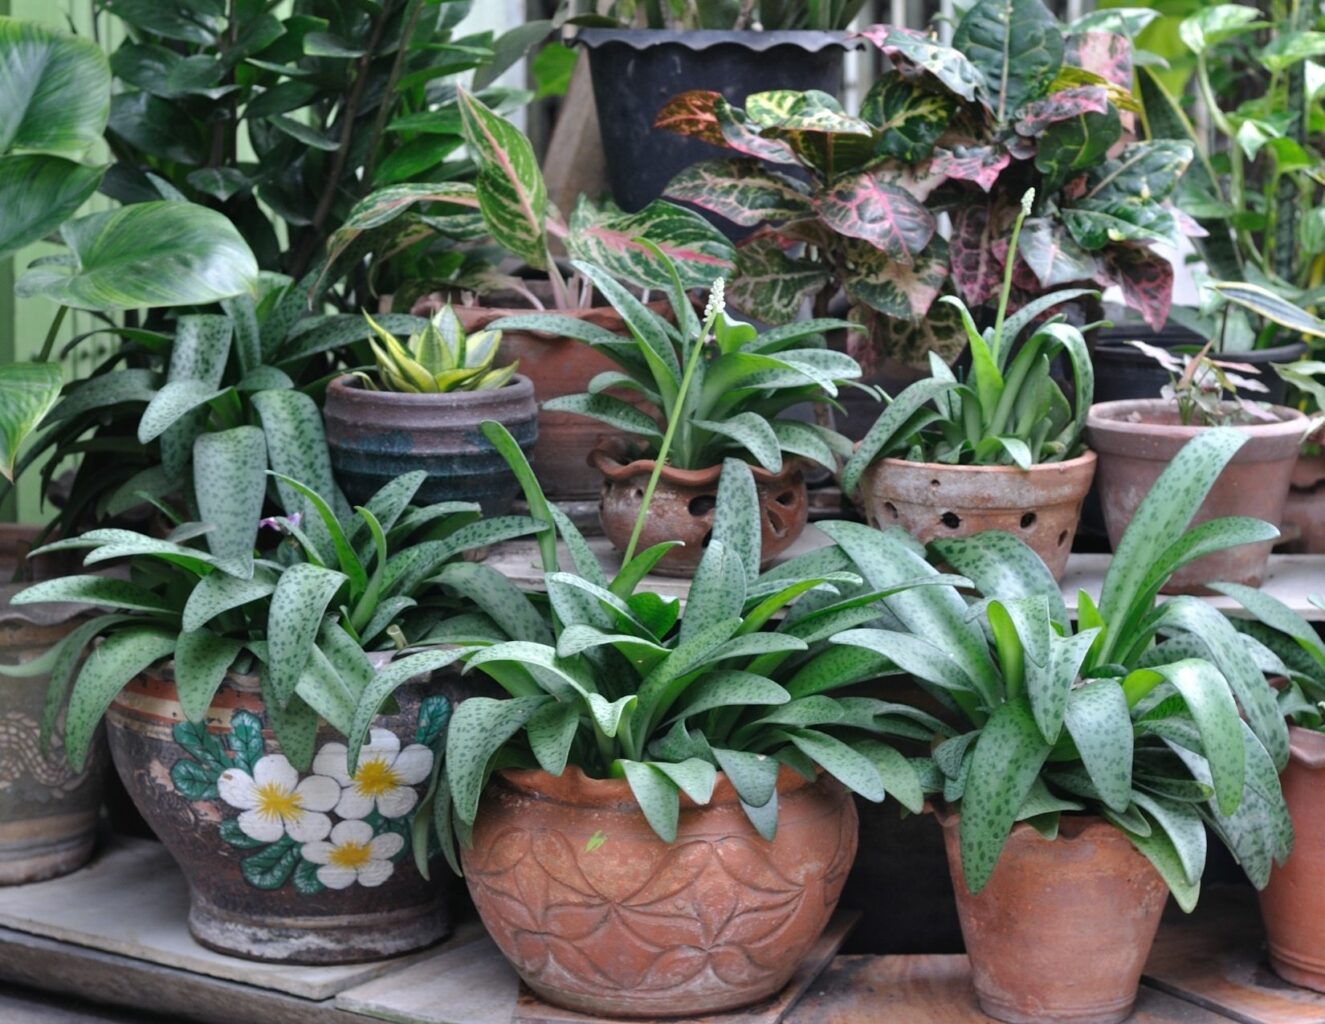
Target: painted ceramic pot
(1061,931)
(285,865)
(931,501)
(376,436)
(48,813)
(598,914)
(684,502)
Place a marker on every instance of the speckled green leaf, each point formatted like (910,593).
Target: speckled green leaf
(836,667)
(295,725)
(201,661)
(478,729)
(173,402)
(98,590)
(298,603)
(657,795)
(564,678)
(1098,720)
(1203,539)
(112,663)
(1277,615)
(247,338)
(60,662)
(110,543)
(612,411)
(882,435)
(297,448)
(1158,848)
(754,776)
(913,654)
(730,688)
(694,776)
(901,781)
(850,767)
(662,687)
(106,390)
(229,482)
(501,599)
(219,592)
(717,592)
(1215,715)
(644,325)
(385,682)
(551,730)
(1005,763)
(1184,827)
(751,432)
(1004,566)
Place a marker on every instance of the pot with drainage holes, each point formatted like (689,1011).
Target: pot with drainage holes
(1040,505)
(683,504)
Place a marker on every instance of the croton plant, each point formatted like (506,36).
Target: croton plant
(1016,101)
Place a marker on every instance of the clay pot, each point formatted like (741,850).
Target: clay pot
(48,813)
(557,367)
(375,436)
(285,866)
(1305,505)
(1136,440)
(683,505)
(1293,903)
(1040,505)
(597,914)
(1062,929)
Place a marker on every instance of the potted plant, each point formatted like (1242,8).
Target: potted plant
(1000,449)
(1096,754)
(636,64)
(226,689)
(714,388)
(1136,439)
(423,412)
(649,772)
(508,205)
(1289,904)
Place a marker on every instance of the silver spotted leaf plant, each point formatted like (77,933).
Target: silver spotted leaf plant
(1156,716)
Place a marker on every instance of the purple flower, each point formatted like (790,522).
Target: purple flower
(280,523)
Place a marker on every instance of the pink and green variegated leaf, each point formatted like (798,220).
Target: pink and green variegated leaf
(769,283)
(511,191)
(979,164)
(919,179)
(1053,255)
(907,342)
(976,271)
(1107,54)
(868,207)
(386,204)
(740,190)
(899,290)
(1062,105)
(910,117)
(914,51)
(1146,279)
(809,111)
(703,114)
(610,238)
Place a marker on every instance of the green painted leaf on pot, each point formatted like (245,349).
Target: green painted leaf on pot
(28,391)
(115,661)
(271,868)
(58,89)
(246,742)
(194,782)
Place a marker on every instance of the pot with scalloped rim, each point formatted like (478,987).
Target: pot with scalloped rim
(285,865)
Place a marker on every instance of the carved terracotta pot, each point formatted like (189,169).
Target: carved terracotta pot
(1041,505)
(285,864)
(597,914)
(1293,903)
(48,813)
(683,505)
(1062,930)
(1137,439)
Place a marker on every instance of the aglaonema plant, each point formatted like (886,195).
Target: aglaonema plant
(303,617)
(1156,717)
(618,682)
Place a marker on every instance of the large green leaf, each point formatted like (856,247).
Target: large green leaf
(56,88)
(100,590)
(298,603)
(229,481)
(478,729)
(114,662)
(1018,45)
(1213,711)
(201,661)
(1275,308)
(146,255)
(28,391)
(383,683)
(38,193)
(219,592)
(1098,720)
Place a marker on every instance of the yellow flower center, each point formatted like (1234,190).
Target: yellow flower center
(375,777)
(275,801)
(350,855)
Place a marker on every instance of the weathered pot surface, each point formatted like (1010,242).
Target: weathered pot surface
(597,914)
(1062,930)
(930,500)
(1305,506)
(375,436)
(683,505)
(556,366)
(48,812)
(1293,903)
(285,865)
(1137,439)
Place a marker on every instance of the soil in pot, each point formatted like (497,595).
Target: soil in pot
(376,436)
(1293,903)
(283,865)
(683,505)
(1136,440)
(598,914)
(1062,930)
(1040,505)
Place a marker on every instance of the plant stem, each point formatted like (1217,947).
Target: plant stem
(385,107)
(1007,281)
(49,343)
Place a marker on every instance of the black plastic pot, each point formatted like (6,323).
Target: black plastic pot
(636,71)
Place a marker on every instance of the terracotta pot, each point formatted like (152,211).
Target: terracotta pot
(48,813)
(597,914)
(1293,903)
(375,436)
(284,866)
(683,505)
(557,367)
(1305,506)
(1136,440)
(1040,505)
(1062,929)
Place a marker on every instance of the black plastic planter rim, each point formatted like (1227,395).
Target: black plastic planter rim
(811,40)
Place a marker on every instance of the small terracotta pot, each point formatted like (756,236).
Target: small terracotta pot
(1061,931)
(1293,903)
(48,813)
(598,914)
(375,436)
(683,505)
(285,866)
(1040,505)
(1137,439)
(1305,506)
